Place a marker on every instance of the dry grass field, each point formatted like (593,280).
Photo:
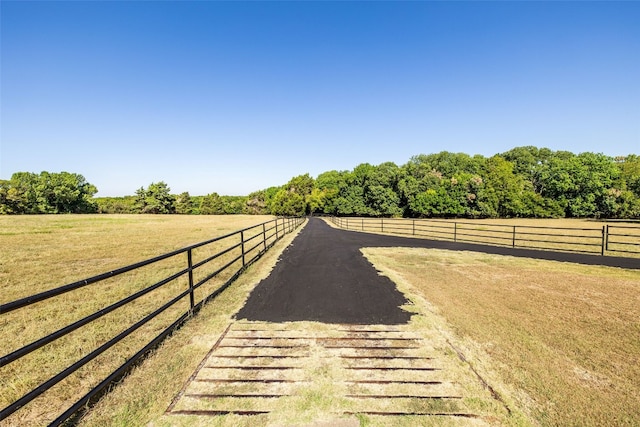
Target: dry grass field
(144,396)
(559,342)
(45,252)
(40,252)
(564,339)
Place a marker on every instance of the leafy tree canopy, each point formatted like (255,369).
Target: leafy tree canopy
(522,182)
(47,193)
(155,199)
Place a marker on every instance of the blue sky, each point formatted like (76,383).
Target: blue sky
(233,97)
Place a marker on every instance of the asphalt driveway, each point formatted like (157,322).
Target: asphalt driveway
(322,276)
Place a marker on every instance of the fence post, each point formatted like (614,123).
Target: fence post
(242,241)
(190,265)
(382,225)
(513,240)
(362,219)
(264,237)
(455,231)
(347,227)
(607,238)
(604,234)
(414,226)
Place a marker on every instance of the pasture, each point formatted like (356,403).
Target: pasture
(44,252)
(558,341)
(40,252)
(562,339)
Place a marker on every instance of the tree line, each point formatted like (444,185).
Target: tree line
(522,182)
(47,193)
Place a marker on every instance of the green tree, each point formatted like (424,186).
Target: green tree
(183,203)
(454,179)
(27,193)
(351,202)
(382,195)
(47,192)
(629,167)
(528,162)
(66,192)
(301,184)
(288,203)
(626,195)
(211,204)
(448,197)
(12,198)
(291,199)
(256,204)
(437,202)
(503,189)
(522,182)
(259,202)
(156,199)
(445,163)
(382,201)
(331,183)
(582,184)
(370,191)
(316,200)
(232,205)
(7,203)
(116,205)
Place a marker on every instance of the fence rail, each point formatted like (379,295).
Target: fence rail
(603,240)
(222,258)
(625,239)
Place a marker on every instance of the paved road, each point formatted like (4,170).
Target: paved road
(323,277)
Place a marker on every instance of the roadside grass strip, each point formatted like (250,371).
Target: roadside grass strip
(557,340)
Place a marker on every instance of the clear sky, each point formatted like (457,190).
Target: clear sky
(233,97)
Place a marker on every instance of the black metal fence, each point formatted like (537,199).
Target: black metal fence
(161,294)
(622,238)
(612,239)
